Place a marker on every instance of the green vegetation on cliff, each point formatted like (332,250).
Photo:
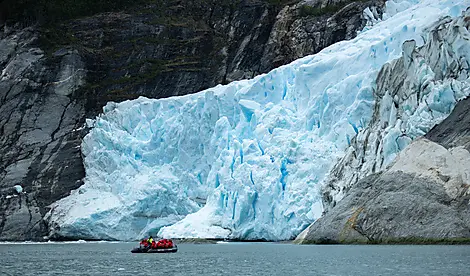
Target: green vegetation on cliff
(49,11)
(53,11)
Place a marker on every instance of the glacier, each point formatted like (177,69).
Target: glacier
(242,161)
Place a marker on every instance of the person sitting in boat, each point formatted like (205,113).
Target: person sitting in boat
(165,243)
(150,240)
(143,243)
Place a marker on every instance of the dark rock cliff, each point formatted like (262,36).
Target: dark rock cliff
(455,130)
(55,75)
(40,144)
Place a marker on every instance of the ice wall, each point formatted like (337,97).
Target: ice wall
(246,160)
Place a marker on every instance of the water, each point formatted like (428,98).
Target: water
(233,259)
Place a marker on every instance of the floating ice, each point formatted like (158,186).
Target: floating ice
(243,161)
(18,189)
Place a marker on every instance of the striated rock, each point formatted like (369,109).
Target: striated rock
(40,151)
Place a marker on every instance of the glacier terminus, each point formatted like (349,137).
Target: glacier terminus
(246,160)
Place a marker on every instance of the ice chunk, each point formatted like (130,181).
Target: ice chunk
(18,189)
(249,108)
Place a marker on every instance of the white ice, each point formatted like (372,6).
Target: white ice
(18,189)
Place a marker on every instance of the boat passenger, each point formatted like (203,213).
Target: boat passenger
(143,243)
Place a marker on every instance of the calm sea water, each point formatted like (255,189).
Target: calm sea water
(234,259)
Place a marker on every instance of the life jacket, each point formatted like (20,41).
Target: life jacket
(154,244)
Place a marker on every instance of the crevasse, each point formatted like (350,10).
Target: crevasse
(243,161)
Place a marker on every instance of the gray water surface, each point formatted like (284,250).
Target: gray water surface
(234,259)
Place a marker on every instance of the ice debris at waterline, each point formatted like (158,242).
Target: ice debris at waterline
(244,161)
(18,189)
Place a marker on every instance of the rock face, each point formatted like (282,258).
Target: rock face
(38,128)
(423,194)
(53,78)
(296,32)
(455,130)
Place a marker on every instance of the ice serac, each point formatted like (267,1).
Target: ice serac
(243,161)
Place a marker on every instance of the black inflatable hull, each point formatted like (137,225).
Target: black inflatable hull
(158,250)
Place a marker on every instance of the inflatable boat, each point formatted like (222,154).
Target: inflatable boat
(162,246)
(155,250)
